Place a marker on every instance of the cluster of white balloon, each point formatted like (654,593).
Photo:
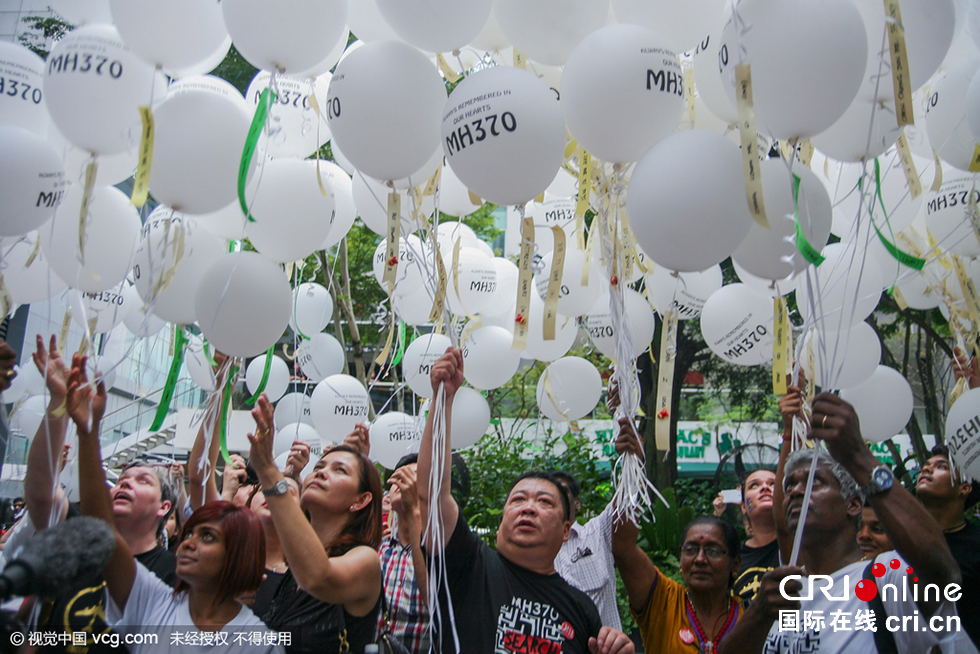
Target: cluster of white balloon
(647,88)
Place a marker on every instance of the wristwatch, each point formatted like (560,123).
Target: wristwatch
(281,487)
(881,481)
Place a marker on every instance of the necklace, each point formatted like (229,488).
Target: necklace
(706,646)
(956,528)
(281,564)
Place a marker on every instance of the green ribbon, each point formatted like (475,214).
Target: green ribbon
(803,245)
(258,122)
(223,421)
(265,376)
(903,258)
(401,344)
(168,390)
(207,355)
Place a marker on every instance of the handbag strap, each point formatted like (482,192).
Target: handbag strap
(884,640)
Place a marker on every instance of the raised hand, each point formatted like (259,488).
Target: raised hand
(627,440)
(299,456)
(360,438)
(8,358)
(966,369)
(261,453)
(84,402)
(406,501)
(52,367)
(448,370)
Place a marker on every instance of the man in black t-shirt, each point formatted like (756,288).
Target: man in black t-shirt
(947,498)
(142,500)
(509,600)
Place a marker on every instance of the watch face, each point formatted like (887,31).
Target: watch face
(882,477)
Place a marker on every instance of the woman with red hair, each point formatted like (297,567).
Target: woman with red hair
(220,557)
(331,595)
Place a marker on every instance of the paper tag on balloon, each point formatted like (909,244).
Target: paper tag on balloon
(315,105)
(904,258)
(595,234)
(969,292)
(394,227)
(937,252)
(913,249)
(438,305)
(908,166)
(689,91)
(383,355)
(549,392)
(896,293)
(475,199)
(34,252)
(141,183)
(937,183)
(520,61)
(251,142)
(63,336)
(433,183)
(571,145)
(521,319)
(811,362)
(665,381)
(957,391)
(178,245)
(781,327)
(6,302)
(584,182)
(91,170)
(900,64)
(975,161)
(630,255)
(451,75)
(806,152)
(554,284)
(749,137)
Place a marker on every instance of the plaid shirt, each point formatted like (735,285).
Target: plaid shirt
(586,562)
(409,617)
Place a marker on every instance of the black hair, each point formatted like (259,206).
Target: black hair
(408,459)
(569,481)
(728,535)
(550,478)
(974,496)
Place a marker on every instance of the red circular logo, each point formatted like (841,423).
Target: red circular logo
(866,590)
(687,636)
(567,631)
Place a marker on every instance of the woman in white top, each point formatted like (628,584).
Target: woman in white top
(220,557)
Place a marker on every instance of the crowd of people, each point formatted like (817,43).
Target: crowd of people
(332,562)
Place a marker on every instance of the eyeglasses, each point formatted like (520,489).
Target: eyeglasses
(710,551)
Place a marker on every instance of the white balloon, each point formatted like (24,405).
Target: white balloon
(198,364)
(338,403)
(436,25)
(29,417)
(27,383)
(292,217)
(489,361)
(454,198)
(383,108)
(112,169)
(863,132)
(312,309)
(409,272)
(708,78)
(574,298)
(920,289)
(962,427)
(765,286)
(637,318)
(470,419)
(418,359)
(575,388)
(946,123)
(736,323)
(685,294)
(475,279)
(289,35)
(99,312)
(505,293)
(278,381)
(622,91)
(208,84)
(174,252)
(566,329)
(340,186)
(295,431)
(23,72)
(111,233)
(843,359)
(883,403)
(553,212)
(328,62)
(293,407)
(94,86)
(365,20)
(393,435)
(802,80)
(848,287)
(27,284)
(371,199)
(82,12)
(321,356)
(197,151)
(503,134)
(226,300)
(173,34)
(292,129)
(32,180)
(415,309)
(138,320)
(535,30)
(227,222)
(687,201)
(973,106)
(207,64)
(682,24)
(765,250)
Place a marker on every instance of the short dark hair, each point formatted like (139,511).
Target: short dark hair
(974,496)
(406,460)
(549,477)
(728,535)
(570,482)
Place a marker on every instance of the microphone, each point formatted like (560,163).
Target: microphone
(55,558)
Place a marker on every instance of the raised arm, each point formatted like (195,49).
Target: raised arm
(406,479)
(352,579)
(912,530)
(201,479)
(448,371)
(85,404)
(638,572)
(42,493)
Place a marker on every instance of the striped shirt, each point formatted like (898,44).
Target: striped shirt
(408,615)
(586,562)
